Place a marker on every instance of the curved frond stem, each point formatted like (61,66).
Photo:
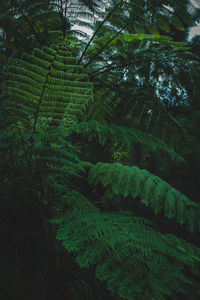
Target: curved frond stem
(30,24)
(111,67)
(102,48)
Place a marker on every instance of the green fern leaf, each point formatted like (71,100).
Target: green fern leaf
(153,191)
(117,134)
(132,257)
(46,84)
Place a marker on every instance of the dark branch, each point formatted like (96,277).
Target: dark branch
(101,24)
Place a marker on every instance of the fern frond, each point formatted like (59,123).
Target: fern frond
(72,199)
(117,134)
(38,83)
(132,257)
(41,93)
(152,190)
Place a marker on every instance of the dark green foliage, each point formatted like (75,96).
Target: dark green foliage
(44,95)
(152,190)
(36,88)
(36,158)
(136,261)
(120,134)
(36,99)
(73,199)
(114,176)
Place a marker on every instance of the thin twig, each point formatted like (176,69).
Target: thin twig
(101,24)
(101,50)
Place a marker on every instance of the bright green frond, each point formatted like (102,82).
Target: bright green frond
(152,190)
(41,81)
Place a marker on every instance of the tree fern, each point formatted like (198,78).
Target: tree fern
(136,261)
(152,190)
(43,94)
(73,199)
(37,82)
(117,134)
(43,97)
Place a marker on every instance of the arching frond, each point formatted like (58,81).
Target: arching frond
(151,189)
(46,85)
(104,132)
(43,94)
(73,199)
(136,261)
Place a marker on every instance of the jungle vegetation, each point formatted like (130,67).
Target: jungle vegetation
(100,147)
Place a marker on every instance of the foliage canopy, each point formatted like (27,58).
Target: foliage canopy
(99,150)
